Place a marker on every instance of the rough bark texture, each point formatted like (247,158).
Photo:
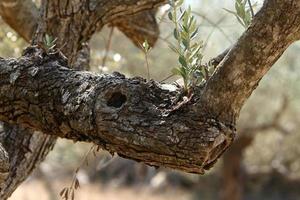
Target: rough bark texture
(4,165)
(128,116)
(138,120)
(26,149)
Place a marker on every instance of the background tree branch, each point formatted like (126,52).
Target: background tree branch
(21,15)
(272,30)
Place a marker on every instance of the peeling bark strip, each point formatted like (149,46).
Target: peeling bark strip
(127,116)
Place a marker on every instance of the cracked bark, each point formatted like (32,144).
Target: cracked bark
(4,165)
(26,149)
(129,116)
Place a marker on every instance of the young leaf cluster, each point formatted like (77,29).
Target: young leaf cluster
(242,13)
(188,49)
(49,42)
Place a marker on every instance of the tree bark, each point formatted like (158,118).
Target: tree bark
(4,165)
(128,116)
(232,171)
(26,149)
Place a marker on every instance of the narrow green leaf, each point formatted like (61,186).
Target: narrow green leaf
(182,61)
(176,34)
(170,16)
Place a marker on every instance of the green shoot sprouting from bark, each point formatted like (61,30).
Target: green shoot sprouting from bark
(189,51)
(146,48)
(49,42)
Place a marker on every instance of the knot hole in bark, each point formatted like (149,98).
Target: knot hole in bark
(116,100)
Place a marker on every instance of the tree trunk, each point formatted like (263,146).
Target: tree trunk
(232,171)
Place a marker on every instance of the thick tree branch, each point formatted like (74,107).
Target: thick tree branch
(21,15)
(81,19)
(139,27)
(26,149)
(273,29)
(128,116)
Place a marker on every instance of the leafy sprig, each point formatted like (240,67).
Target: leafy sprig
(243,13)
(189,51)
(49,42)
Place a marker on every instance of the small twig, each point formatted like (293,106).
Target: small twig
(251,8)
(216,25)
(147,64)
(146,48)
(68,193)
(108,45)
(163,16)
(166,78)
(210,34)
(107,163)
